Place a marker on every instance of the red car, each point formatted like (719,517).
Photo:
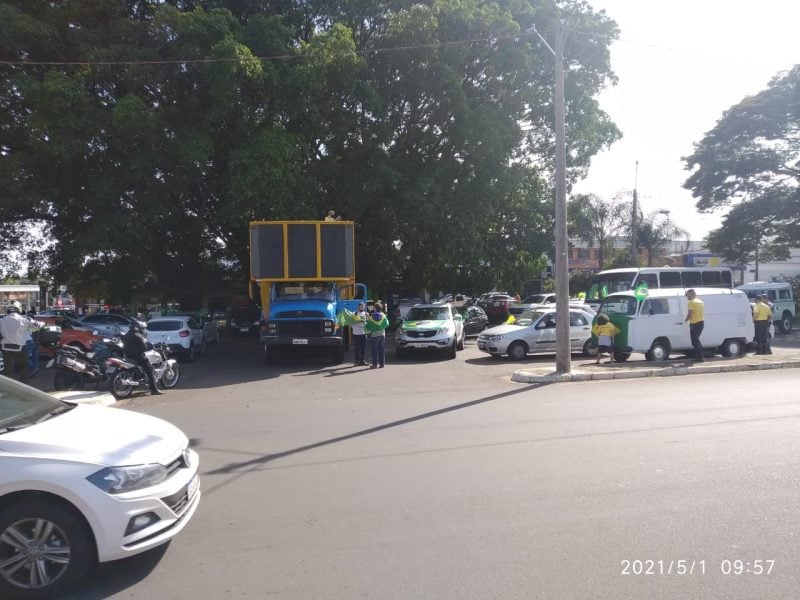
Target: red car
(71,334)
(497,308)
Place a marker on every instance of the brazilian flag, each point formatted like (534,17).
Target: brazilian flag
(346,317)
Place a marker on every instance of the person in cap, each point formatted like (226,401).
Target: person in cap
(15,328)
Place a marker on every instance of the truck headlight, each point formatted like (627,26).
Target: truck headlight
(116,480)
(272,328)
(328,326)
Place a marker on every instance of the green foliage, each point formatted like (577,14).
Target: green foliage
(146,175)
(751,159)
(598,221)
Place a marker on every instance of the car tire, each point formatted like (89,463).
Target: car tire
(451,351)
(66,380)
(58,534)
(460,345)
(518,350)
(659,350)
(590,349)
(191,353)
(731,348)
(785,324)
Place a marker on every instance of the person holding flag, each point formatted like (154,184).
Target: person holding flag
(376,329)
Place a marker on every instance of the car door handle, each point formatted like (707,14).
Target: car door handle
(678,323)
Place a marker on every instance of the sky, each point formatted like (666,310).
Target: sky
(680,65)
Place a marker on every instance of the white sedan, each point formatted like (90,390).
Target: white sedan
(70,499)
(534,332)
(183,335)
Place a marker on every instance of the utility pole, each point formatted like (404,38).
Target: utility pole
(634,215)
(563,356)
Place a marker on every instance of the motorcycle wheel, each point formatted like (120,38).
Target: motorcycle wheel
(66,380)
(121,387)
(169,379)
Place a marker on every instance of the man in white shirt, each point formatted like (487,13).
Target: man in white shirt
(14,331)
(360,337)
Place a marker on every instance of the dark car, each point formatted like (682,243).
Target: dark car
(475,319)
(245,319)
(497,308)
(109,324)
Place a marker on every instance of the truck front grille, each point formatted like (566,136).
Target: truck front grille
(299,328)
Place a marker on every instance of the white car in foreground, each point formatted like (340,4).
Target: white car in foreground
(80,484)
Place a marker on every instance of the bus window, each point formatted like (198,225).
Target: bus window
(726,278)
(691,279)
(671,279)
(711,278)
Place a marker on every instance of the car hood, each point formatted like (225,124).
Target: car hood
(427,324)
(502,329)
(99,435)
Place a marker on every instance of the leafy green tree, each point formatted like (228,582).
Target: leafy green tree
(655,233)
(751,159)
(598,222)
(146,172)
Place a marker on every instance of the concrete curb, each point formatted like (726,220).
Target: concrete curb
(550,377)
(86,397)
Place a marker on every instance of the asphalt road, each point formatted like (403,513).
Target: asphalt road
(443,479)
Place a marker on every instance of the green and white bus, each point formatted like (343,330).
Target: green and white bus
(621,280)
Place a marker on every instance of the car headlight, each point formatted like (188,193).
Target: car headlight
(116,480)
(443,331)
(495,338)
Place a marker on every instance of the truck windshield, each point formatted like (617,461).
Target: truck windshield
(318,290)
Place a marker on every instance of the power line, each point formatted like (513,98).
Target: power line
(105,63)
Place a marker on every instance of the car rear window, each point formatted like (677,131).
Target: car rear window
(165,325)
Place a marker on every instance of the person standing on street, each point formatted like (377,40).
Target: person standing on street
(376,328)
(15,328)
(360,336)
(695,319)
(762,317)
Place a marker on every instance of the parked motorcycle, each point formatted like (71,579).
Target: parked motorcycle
(75,368)
(126,375)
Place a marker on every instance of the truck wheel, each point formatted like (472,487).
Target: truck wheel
(659,350)
(785,324)
(731,348)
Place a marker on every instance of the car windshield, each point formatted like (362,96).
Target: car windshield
(528,317)
(618,305)
(607,283)
(422,313)
(21,405)
(165,325)
(318,290)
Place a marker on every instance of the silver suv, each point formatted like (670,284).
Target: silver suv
(428,326)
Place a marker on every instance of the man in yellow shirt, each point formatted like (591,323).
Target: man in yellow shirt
(695,319)
(762,315)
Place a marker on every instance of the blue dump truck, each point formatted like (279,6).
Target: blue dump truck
(304,275)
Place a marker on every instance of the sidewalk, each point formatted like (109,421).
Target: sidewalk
(585,369)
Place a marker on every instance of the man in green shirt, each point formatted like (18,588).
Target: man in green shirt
(695,319)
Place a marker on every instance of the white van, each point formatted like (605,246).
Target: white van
(656,326)
(780,294)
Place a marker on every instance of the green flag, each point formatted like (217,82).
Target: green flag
(641,291)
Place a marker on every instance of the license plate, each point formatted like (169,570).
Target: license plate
(300,341)
(243,329)
(194,484)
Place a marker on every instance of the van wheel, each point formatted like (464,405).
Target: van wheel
(621,356)
(590,349)
(785,324)
(659,350)
(731,348)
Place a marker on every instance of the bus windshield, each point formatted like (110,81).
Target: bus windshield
(608,283)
